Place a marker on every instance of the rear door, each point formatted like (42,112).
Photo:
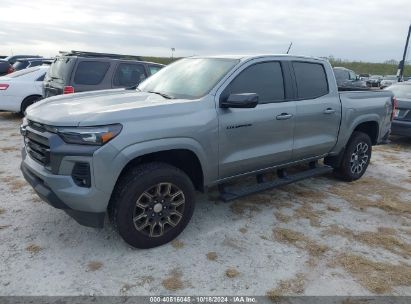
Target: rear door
(261,137)
(318,113)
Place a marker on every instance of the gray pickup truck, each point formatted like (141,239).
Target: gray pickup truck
(139,154)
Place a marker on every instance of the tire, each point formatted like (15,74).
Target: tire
(27,102)
(152,204)
(356,158)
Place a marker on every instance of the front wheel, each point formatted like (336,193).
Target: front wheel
(356,157)
(152,204)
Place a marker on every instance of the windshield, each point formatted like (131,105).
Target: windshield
(401,91)
(188,78)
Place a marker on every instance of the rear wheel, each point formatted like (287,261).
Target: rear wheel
(27,102)
(152,204)
(356,157)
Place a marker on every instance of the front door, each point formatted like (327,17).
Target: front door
(260,137)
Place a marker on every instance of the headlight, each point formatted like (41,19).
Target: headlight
(89,135)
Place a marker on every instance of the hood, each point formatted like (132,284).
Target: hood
(98,107)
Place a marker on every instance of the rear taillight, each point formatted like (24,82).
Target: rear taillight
(68,90)
(394,107)
(10,70)
(3,86)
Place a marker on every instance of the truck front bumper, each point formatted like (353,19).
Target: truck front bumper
(86,205)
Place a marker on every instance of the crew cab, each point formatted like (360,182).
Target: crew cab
(139,154)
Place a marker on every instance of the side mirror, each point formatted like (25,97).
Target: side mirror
(243,100)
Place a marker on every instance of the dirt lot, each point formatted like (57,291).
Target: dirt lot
(317,237)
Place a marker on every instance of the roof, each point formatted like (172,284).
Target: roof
(248,57)
(99,55)
(34,59)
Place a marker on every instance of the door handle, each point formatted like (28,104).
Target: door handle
(283,116)
(329,111)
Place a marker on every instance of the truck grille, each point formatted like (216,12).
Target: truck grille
(37,147)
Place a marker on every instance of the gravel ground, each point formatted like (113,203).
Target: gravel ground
(316,237)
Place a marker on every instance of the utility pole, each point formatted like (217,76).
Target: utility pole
(291,44)
(400,72)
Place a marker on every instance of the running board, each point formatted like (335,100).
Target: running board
(229,194)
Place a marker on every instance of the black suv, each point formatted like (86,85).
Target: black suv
(12,59)
(84,71)
(21,64)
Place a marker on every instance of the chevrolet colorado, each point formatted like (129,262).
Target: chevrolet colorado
(139,154)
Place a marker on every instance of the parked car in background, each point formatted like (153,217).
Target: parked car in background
(348,80)
(14,58)
(2,57)
(401,124)
(364,77)
(140,154)
(21,89)
(5,67)
(374,81)
(30,62)
(84,71)
(388,80)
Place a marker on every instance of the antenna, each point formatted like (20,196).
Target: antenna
(291,44)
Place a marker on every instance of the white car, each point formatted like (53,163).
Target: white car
(20,89)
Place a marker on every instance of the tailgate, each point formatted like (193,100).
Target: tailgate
(403,110)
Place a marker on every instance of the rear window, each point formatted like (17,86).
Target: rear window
(341,75)
(19,65)
(311,80)
(22,72)
(60,68)
(91,72)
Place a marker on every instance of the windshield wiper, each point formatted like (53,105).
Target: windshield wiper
(162,94)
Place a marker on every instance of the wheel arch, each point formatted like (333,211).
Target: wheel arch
(371,128)
(27,98)
(184,159)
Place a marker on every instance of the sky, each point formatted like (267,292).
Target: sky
(363,30)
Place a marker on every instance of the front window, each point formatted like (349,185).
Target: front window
(189,78)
